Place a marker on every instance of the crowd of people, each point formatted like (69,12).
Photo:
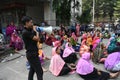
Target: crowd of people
(11,38)
(66,49)
(69,54)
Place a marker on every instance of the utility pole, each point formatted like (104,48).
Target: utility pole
(81,7)
(74,10)
(51,12)
(93,11)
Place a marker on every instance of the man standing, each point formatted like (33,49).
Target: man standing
(30,38)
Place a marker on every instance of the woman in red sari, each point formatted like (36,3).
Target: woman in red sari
(50,39)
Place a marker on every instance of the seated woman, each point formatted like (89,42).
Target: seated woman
(113,47)
(88,72)
(103,53)
(96,41)
(19,43)
(57,36)
(74,37)
(89,39)
(53,38)
(96,53)
(84,39)
(69,55)
(64,41)
(55,45)
(48,40)
(106,34)
(57,65)
(16,42)
(112,37)
(83,49)
(84,36)
(73,41)
(112,62)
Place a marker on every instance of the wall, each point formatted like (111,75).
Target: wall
(36,12)
(49,15)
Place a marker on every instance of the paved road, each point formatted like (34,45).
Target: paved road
(16,69)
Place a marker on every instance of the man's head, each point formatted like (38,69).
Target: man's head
(27,22)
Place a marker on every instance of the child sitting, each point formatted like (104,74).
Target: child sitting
(41,55)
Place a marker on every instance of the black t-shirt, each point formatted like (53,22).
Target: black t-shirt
(30,44)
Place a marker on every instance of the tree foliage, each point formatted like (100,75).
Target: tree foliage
(62,9)
(86,16)
(103,8)
(117,8)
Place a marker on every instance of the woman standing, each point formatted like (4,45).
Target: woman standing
(9,30)
(78,30)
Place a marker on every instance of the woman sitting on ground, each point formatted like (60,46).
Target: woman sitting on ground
(112,62)
(16,42)
(103,54)
(57,65)
(88,72)
(69,54)
(55,45)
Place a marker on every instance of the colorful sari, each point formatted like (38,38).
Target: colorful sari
(56,65)
(16,42)
(112,61)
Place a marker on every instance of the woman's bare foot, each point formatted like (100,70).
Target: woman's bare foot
(72,65)
(114,75)
(72,68)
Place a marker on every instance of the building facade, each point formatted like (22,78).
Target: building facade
(76,11)
(14,10)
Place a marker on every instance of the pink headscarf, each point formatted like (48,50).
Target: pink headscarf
(84,49)
(13,37)
(84,36)
(55,44)
(84,66)
(83,42)
(56,64)
(74,36)
(10,29)
(95,42)
(112,60)
(68,50)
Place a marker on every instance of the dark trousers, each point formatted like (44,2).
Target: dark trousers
(35,66)
(65,70)
(72,58)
